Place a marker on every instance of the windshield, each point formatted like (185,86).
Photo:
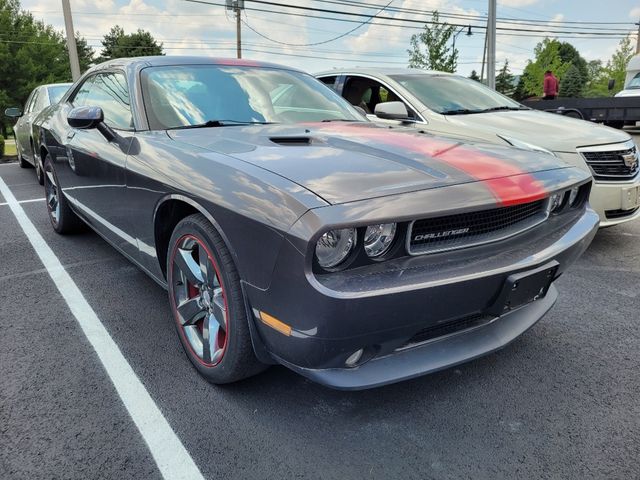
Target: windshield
(453,94)
(56,92)
(215,95)
(635,82)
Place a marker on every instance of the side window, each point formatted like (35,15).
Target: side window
(31,102)
(329,81)
(42,101)
(108,91)
(78,98)
(358,91)
(368,93)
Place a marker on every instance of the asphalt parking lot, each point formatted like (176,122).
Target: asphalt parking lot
(561,402)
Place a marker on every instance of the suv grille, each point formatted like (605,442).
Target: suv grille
(431,235)
(611,165)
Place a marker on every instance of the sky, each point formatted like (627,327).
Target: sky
(188,28)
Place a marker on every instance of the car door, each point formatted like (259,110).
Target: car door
(22,128)
(93,178)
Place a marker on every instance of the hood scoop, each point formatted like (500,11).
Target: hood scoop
(292,141)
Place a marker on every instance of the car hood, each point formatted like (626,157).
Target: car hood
(343,162)
(629,92)
(548,130)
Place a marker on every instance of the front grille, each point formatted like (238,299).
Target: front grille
(611,165)
(447,328)
(431,235)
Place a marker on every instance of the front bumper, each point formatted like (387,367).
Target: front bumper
(381,309)
(613,201)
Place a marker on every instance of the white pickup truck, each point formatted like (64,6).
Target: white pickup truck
(449,104)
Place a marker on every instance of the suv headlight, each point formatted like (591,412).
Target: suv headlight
(334,246)
(514,142)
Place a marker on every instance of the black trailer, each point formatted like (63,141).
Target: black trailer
(612,111)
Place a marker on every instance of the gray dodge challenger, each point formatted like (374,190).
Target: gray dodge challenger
(289,230)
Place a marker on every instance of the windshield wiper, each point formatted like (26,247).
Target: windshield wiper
(339,120)
(504,107)
(460,111)
(219,123)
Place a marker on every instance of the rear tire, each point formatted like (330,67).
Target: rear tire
(62,218)
(208,303)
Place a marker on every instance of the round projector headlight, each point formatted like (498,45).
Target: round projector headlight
(334,246)
(573,195)
(555,202)
(378,239)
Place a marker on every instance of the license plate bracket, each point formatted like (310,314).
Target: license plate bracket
(525,287)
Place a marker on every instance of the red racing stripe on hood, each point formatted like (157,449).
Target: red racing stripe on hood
(508,183)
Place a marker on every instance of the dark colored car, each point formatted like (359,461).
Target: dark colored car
(289,230)
(40,98)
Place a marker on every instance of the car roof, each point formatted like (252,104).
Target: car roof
(63,84)
(380,71)
(165,60)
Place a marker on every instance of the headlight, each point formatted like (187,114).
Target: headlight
(514,142)
(378,239)
(335,246)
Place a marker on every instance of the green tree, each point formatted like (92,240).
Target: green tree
(474,76)
(85,53)
(35,56)
(569,54)
(430,49)
(504,80)
(572,83)
(616,67)
(118,44)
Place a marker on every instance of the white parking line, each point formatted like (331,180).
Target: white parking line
(167,450)
(24,201)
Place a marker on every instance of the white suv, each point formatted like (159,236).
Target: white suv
(453,105)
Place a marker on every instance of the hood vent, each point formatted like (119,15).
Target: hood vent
(291,141)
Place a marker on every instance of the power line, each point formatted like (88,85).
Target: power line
(360,25)
(466,15)
(508,31)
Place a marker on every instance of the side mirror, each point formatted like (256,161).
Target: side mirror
(391,111)
(85,117)
(13,112)
(612,84)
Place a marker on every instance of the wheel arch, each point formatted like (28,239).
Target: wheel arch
(175,207)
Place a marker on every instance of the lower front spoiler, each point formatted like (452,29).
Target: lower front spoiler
(435,355)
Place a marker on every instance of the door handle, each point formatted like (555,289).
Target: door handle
(71,134)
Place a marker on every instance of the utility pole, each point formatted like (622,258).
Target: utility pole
(238,34)
(638,39)
(237,6)
(484,52)
(491,45)
(71,41)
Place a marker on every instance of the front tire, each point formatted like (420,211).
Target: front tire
(62,218)
(208,303)
(39,172)
(21,160)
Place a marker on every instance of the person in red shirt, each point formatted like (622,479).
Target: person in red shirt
(550,86)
